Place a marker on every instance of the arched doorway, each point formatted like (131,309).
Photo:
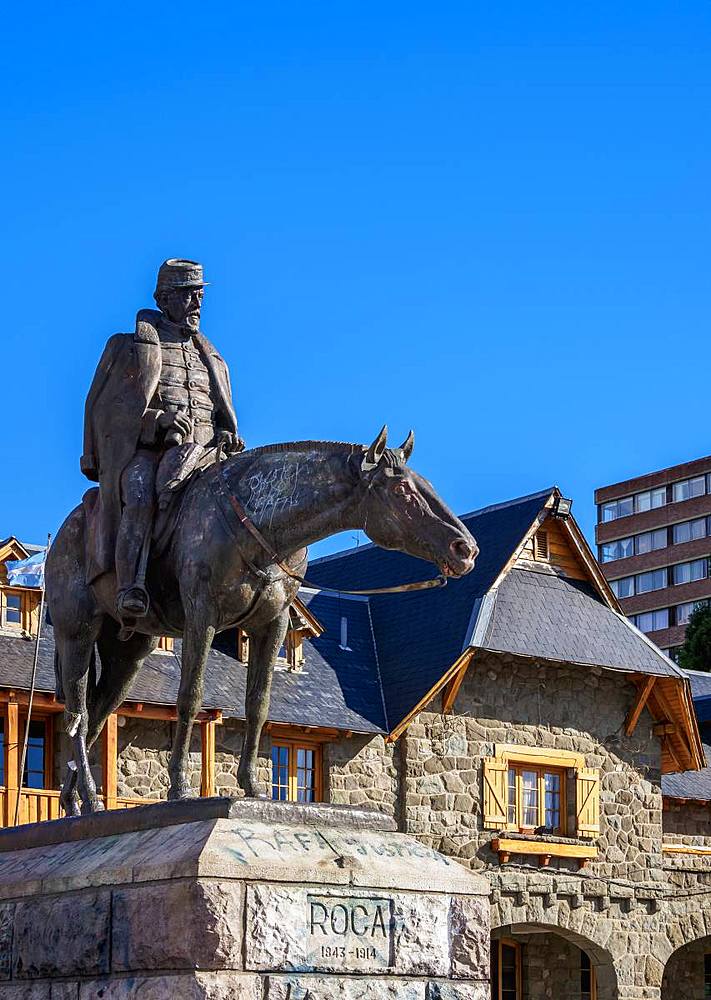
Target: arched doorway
(687,975)
(541,962)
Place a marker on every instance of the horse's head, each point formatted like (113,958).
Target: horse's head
(403,511)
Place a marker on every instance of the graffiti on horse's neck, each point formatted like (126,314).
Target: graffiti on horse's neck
(273,491)
(298,494)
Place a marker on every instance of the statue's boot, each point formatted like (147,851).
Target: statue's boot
(133,602)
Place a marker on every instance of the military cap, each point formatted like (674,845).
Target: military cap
(176,273)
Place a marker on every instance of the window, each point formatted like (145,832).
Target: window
(650,541)
(296,772)
(535,798)
(623,548)
(687,572)
(2,750)
(617,508)
(35,764)
(624,587)
(526,788)
(165,644)
(650,621)
(656,579)
(683,612)
(588,989)
(506,970)
(688,488)
(707,975)
(650,499)
(292,649)
(643,583)
(688,531)
(10,609)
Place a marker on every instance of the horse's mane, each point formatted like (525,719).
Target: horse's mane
(392,458)
(266,449)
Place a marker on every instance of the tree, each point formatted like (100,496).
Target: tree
(695,654)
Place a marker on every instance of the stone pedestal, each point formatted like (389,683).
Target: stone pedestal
(220,899)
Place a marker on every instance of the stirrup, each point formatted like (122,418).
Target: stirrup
(128,616)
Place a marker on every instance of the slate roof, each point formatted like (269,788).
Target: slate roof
(700,683)
(539,613)
(689,784)
(335,688)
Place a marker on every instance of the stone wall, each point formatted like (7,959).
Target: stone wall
(362,770)
(143,754)
(229,740)
(687,823)
(505,699)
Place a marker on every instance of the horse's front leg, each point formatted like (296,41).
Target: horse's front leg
(264,645)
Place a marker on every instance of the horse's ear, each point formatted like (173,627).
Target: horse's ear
(376,450)
(407,445)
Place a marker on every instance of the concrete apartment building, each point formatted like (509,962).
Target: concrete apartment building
(653,537)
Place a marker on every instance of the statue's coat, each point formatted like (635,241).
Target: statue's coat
(117,416)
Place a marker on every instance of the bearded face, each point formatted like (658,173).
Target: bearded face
(182,306)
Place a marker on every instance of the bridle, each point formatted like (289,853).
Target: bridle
(221,488)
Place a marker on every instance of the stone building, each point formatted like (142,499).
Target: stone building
(515,720)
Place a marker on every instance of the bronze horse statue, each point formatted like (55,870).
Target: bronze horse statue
(216,573)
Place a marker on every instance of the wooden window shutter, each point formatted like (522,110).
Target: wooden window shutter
(496,771)
(587,801)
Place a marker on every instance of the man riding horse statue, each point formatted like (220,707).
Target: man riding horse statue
(159,405)
(189,535)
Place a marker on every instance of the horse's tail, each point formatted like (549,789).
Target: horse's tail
(58,685)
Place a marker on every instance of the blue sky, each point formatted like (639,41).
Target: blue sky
(486,221)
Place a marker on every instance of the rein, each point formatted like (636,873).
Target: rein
(221,488)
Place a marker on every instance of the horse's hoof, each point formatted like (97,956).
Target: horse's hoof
(250,786)
(179,792)
(70,804)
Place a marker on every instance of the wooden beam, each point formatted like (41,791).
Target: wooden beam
(207,777)
(12,772)
(441,683)
(452,690)
(543,848)
(109,761)
(665,729)
(669,749)
(137,710)
(638,707)
(45,702)
(580,544)
(314,734)
(685,849)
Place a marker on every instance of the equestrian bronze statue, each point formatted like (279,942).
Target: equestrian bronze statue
(227,547)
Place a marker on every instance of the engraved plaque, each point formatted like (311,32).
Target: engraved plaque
(349,933)
(347,930)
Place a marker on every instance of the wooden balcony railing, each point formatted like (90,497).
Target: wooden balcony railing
(37,804)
